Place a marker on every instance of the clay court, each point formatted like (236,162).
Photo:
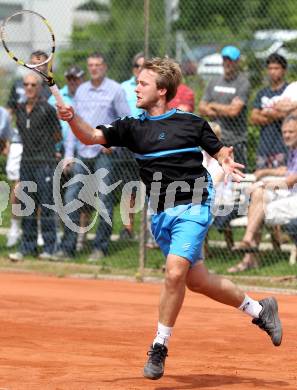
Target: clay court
(93,334)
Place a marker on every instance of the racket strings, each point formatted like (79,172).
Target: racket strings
(35,37)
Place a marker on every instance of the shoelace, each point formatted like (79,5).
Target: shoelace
(157,355)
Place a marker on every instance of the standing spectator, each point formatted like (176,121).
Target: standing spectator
(74,78)
(98,99)
(17,96)
(5,129)
(184,99)
(39,128)
(130,85)
(271,151)
(225,101)
(126,164)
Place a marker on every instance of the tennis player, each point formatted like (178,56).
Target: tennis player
(167,146)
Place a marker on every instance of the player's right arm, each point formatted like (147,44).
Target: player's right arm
(87,134)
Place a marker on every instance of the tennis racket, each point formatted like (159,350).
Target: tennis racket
(25,32)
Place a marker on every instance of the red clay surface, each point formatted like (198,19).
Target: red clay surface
(84,335)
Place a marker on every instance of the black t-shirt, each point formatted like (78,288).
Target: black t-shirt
(271,140)
(38,130)
(171,145)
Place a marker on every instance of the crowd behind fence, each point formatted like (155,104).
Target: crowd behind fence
(253,44)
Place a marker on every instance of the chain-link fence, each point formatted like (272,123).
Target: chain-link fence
(237,89)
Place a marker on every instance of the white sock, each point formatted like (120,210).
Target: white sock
(251,307)
(163,334)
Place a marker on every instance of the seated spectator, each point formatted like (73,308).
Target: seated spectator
(271,151)
(40,129)
(274,199)
(223,190)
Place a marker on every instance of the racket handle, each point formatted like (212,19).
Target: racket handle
(55,91)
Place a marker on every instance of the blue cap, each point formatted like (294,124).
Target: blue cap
(231,52)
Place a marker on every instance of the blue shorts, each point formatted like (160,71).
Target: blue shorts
(181,230)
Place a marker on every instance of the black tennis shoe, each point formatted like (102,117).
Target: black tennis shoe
(269,320)
(154,368)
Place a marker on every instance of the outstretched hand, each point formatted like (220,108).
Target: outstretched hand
(65,112)
(231,168)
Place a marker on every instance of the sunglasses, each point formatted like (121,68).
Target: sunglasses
(136,66)
(30,84)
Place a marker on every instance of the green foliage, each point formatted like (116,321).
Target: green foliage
(119,38)
(226,20)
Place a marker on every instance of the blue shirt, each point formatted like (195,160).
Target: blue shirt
(103,104)
(129,87)
(68,99)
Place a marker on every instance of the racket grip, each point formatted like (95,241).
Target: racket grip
(55,91)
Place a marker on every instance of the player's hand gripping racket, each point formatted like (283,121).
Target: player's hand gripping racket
(27,31)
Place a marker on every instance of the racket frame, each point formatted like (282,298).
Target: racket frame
(48,77)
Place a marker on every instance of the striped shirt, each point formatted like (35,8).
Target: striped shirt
(103,104)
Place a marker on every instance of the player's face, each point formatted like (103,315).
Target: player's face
(35,60)
(289,131)
(97,68)
(32,86)
(275,72)
(146,91)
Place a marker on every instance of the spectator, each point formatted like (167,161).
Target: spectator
(275,194)
(17,96)
(223,191)
(225,101)
(5,129)
(100,99)
(184,99)
(130,85)
(271,151)
(127,167)
(17,93)
(74,76)
(39,128)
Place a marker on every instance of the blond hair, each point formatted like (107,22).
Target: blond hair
(169,74)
